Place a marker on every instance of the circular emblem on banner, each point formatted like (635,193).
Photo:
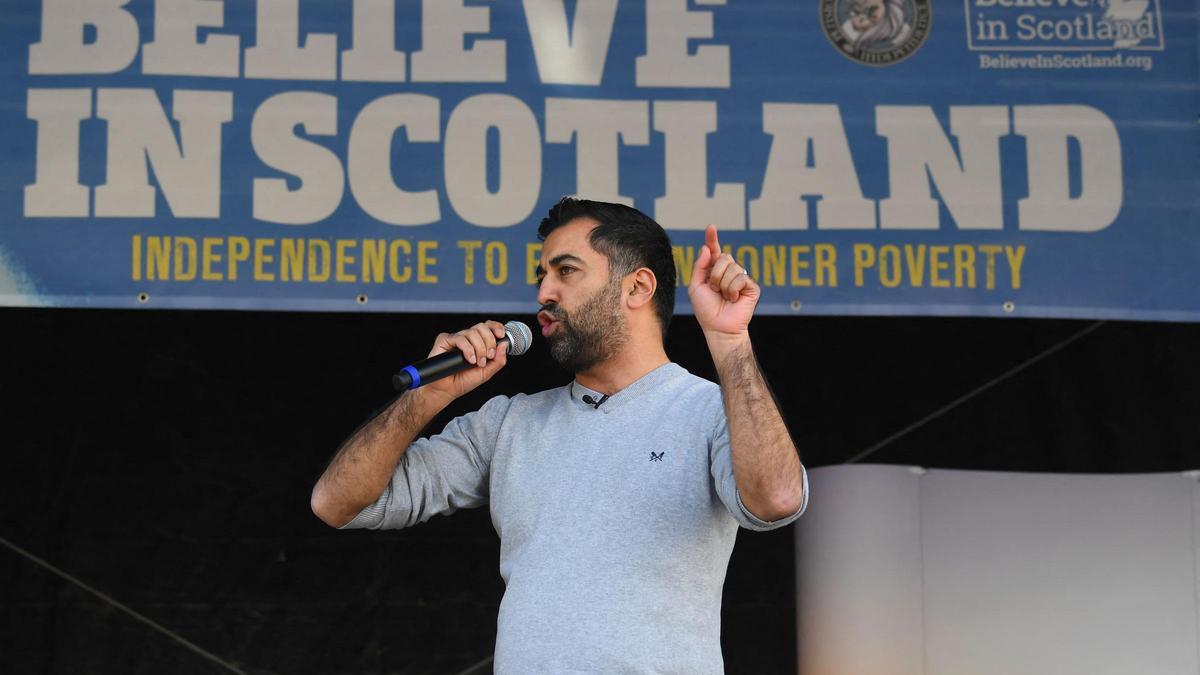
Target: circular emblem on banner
(876,32)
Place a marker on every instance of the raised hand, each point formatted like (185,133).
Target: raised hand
(723,294)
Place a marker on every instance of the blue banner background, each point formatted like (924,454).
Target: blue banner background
(1143,266)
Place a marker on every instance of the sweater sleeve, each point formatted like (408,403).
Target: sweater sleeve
(439,474)
(721,458)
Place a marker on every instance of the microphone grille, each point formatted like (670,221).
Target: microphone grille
(520,337)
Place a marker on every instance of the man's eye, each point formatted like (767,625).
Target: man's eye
(565,270)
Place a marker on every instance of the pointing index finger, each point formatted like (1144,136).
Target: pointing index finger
(710,240)
(706,258)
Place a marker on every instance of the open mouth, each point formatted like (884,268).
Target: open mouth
(548,324)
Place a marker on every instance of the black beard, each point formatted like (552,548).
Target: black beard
(593,333)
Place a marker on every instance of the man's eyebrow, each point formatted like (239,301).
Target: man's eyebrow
(563,257)
(556,261)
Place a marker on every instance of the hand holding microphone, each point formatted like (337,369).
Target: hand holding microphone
(461,361)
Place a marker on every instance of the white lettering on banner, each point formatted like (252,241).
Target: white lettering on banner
(442,57)
(668,61)
(1032,3)
(278,53)
(599,128)
(189,172)
(810,157)
(452,43)
(1072,153)
(919,151)
(686,204)
(1050,206)
(176,50)
(56,190)
(1065,25)
(520,160)
(919,154)
(374,57)
(272,133)
(62,48)
(370,158)
(574,55)
(1124,32)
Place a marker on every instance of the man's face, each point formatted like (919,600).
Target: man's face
(581,315)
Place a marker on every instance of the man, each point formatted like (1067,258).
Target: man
(616,497)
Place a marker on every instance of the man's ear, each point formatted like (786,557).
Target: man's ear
(642,287)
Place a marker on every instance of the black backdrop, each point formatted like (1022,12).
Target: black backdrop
(165,459)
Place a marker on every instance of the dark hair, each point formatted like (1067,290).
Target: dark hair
(629,239)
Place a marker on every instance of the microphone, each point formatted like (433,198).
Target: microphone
(594,402)
(517,339)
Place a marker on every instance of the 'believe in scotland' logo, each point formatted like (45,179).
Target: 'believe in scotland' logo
(876,32)
(1063,25)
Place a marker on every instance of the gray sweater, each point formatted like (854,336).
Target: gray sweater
(616,522)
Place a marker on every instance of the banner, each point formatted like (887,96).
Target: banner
(1033,158)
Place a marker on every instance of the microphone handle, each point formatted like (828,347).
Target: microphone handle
(434,368)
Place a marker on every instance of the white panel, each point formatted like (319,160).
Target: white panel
(1195,476)
(1058,574)
(858,576)
(974,573)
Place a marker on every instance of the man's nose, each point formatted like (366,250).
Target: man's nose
(547,292)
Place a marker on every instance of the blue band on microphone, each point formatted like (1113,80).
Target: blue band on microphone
(416,377)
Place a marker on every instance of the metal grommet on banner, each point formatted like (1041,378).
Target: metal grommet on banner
(143,298)
(1008,307)
(361,299)
(796,305)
